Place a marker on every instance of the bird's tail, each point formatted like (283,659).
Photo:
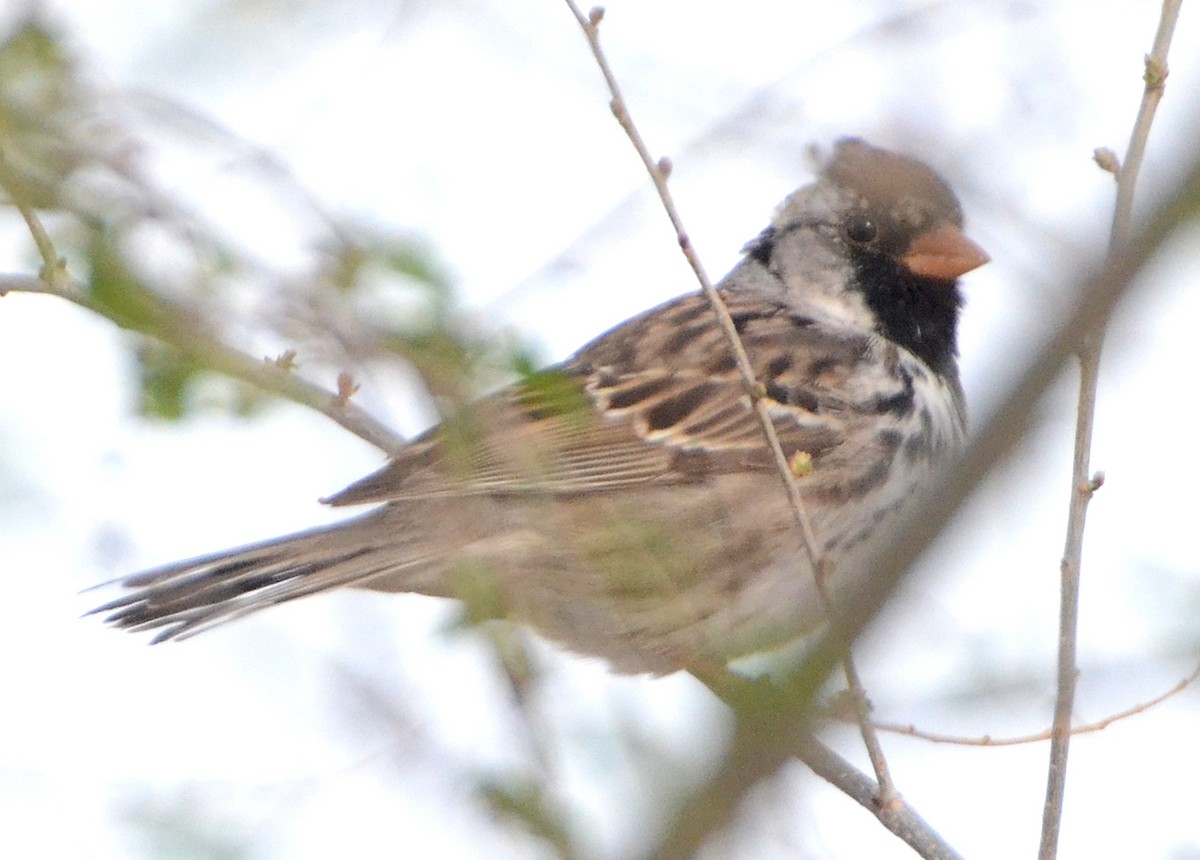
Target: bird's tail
(186,597)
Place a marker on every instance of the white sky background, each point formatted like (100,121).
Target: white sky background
(350,723)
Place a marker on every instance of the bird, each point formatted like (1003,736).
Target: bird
(624,503)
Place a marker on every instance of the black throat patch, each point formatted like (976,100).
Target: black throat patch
(917,313)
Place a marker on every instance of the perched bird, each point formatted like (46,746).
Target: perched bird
(624,503)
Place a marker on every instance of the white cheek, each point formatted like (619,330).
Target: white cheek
(822,294)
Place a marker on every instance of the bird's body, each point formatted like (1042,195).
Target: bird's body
(625,503)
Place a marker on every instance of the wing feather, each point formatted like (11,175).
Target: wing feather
(642,404)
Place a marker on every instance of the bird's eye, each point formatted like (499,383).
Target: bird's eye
(860,229)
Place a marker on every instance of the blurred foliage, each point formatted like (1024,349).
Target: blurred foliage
(118,291)
(180,827)
(41,101)
(480,592)
(165,377)
(549,392)
(364,296)
(526,803)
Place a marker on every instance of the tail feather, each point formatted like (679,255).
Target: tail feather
(184,598)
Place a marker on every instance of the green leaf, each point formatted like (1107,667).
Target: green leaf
(166,378)
(480,591)
(119,291)
(525,802)
(549,392)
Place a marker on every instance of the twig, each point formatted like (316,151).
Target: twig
(897,817)
(15,283)
(1082,485)
(50,260)
(1094,302)
(1086,729)
(767,734)
(540,812)
(275,377)
(659,169)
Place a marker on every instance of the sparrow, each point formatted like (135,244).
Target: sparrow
(624,503)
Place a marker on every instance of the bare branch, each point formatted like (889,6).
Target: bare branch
(897,816)
(1089,728)
(542,810)
(659,170)
(51,263)
(274,376)
(769,731)
(1081,486)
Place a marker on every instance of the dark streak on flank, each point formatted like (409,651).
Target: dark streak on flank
(901,403)
(795,395)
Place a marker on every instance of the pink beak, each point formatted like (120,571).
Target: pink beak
(943,253)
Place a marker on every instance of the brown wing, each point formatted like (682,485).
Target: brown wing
(656,400)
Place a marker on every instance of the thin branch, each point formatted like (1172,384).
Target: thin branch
(1095,299)
(1086,729)
(659,170)
(50,260)
(17,283)
(274,376)
(888,795)
(541,810)
(897,817)
(769,732)
(1082,484)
